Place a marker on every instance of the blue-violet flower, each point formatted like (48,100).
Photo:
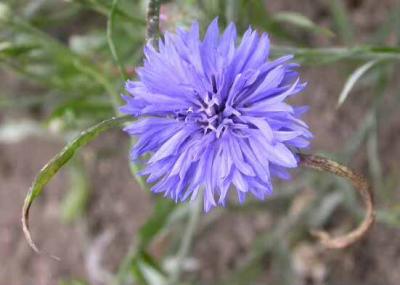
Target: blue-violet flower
(213,117)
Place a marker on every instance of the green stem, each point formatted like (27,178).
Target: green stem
(113,50)
(333,54)
(153,21)
(104,8)
(187,240)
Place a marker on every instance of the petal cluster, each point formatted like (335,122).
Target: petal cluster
(212,115)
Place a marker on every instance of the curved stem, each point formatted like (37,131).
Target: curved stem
(153,20)
(359,183)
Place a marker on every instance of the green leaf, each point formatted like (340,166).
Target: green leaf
(104,8)
(82,107)
(111,45)
(138,273)
(62,64)
(320,56)
(301,21)
(256,13)
(152,263)
(57,162)
(8,49)
(342,21)
(139,255)
(353,78)
(156,223)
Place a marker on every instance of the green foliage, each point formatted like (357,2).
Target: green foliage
(342,21)
(139,258)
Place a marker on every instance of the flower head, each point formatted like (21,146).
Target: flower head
(213,117)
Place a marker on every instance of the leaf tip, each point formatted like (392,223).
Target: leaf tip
(27,232)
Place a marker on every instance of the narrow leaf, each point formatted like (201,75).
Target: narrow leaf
(156,223)
(309,56)
(341,21)
(56,163)
(110,41)
(104,8)
(301,21)
(356,75)
(8,49)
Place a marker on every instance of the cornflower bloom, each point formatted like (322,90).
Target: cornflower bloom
(212,115)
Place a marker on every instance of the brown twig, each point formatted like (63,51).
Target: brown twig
(359,183)
(153,21)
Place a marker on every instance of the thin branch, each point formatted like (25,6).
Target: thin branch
(153,21)
(359,183)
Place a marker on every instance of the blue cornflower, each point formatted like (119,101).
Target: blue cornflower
(212,115)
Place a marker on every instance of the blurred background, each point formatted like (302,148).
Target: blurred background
(62,68)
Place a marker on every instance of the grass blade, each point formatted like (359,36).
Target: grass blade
(110,41)
(56,163)
(342,21)
(353,78)
(104,8)
(146,234)
(301,21)
(309,56)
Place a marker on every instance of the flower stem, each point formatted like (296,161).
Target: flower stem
(153,21)
(187,239)
(110,41)
(362,186)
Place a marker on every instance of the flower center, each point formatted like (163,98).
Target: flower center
(212,114)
